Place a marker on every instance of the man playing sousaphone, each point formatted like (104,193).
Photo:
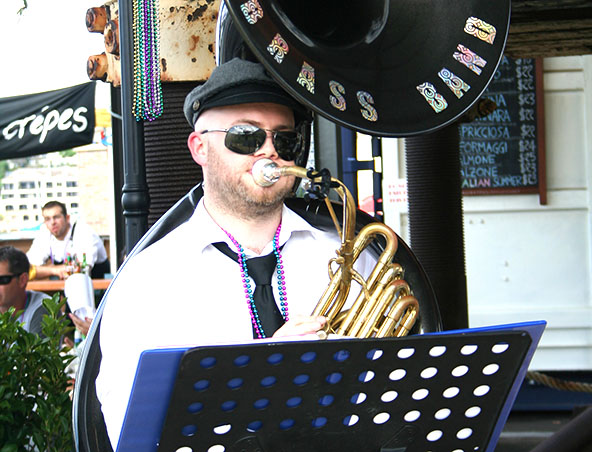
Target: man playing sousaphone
(200,284)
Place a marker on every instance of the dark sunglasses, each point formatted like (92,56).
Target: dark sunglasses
(5,279)
(247,139)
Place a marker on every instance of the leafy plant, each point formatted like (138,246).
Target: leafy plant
(3,168)
(35,404)
(67,153)
(22,9)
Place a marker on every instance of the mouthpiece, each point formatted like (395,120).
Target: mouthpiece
(265,172)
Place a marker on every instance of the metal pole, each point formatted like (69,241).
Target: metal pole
(135,199)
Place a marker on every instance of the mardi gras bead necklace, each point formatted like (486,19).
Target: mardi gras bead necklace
(242,262)
(148,102)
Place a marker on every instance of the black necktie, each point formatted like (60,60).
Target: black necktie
(260,270)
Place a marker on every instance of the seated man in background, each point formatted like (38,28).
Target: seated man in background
(59,239)
(14,276)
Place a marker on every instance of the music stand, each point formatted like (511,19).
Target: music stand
(448,391)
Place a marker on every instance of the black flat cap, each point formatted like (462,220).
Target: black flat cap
(238,82)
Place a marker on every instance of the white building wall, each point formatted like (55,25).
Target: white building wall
(25,190)
(527,261)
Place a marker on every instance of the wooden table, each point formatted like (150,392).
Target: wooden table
(51,285)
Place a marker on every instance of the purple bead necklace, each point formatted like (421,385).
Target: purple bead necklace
(247,286)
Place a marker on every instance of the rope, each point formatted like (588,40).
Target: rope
(558,383)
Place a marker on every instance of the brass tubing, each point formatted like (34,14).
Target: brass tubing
(409,318)
(373,313)
(384,306)
(367,233)
(391,310)
(334,297)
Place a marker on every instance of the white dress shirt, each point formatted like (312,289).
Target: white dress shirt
(46,248)
(182,291)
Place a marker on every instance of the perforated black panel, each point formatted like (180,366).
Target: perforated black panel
(170,170)
(408,394)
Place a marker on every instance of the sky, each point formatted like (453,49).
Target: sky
(46,47)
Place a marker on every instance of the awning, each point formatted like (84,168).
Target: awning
(46,122)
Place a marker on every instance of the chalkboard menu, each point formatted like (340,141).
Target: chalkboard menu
(503,152)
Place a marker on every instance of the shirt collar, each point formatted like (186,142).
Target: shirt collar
(294,223)
(207,230)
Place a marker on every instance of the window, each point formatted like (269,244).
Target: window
(49,184)
(72,193)
(9,207)
(26,184)
(74,205)
(23,207)
(49,194)
(7,186)
(71,183)
(26,217)
(8,196)
(59,194)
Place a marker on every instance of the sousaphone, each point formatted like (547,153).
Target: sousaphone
(391,68)
(381,67)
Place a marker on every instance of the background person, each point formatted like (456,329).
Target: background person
(60,239)
(77,347)
(183,289)
(14,276)
(82,325)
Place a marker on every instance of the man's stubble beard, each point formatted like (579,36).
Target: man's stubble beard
(235,196)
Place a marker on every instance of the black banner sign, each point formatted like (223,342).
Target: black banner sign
(45,122)
(504,151)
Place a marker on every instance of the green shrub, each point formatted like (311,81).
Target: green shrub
(35,404)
